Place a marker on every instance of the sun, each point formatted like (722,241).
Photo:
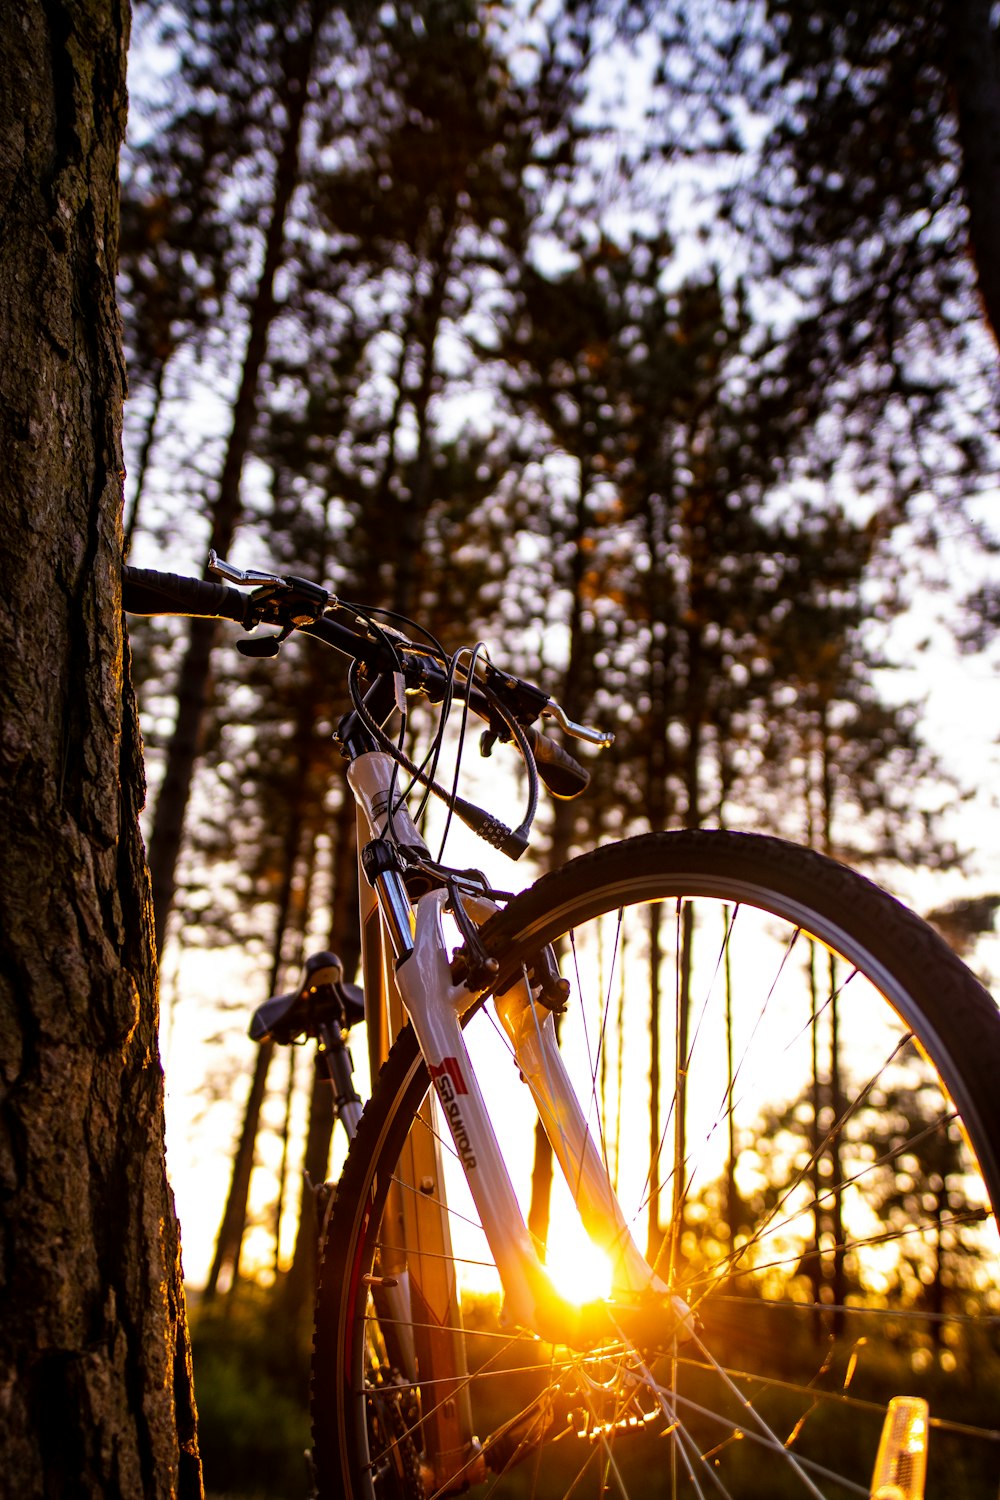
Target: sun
(580,1270)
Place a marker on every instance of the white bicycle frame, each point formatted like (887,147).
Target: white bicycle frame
(420,982)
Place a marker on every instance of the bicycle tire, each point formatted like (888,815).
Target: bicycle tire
(767,1292)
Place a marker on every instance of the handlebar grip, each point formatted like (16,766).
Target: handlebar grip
(563,776)
(145,591)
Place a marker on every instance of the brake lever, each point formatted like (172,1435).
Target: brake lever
(217,564)
(288,602)
(601,737)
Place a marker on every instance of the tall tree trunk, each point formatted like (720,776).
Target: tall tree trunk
(94,1353)
(973,61)
(837,1177)
(572,696)
(838,1101)
(938,1289)
(229,1242)
(286,1142)
(814,1256)
(684,944)
(193,683)
(695,713)
(304,903)
(345,942)
(411,509)
(654,1233)
(735,1211)
(225,1267)
(145,453)
(659,602)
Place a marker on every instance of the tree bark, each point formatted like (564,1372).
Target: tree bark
(95,1375)
(973,54)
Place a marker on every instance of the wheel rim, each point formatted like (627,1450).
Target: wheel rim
(762,1377)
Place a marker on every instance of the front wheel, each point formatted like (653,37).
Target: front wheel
(794,1087)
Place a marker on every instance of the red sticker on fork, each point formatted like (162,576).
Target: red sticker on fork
(448,1067)
(448,1080)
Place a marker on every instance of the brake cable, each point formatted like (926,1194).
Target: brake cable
(511,842)
(474,652)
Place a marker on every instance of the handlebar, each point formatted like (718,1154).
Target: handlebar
(292,603)
(148,592)
(295,603)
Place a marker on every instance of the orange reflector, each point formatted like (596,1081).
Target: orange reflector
(901,1466)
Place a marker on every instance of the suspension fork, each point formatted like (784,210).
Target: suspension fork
(436,1005)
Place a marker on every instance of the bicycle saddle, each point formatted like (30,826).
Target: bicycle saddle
(323,996)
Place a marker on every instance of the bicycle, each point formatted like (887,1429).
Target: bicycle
(770,1244)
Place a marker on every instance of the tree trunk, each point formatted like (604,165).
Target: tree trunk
(654,1232)
(345,941)
(192,692)
(229,1240)
(411,509)
(974,66)
(229,1244)
(145,453)
(814,1255)
(225,1265)
(838,1101)
(572,696)
(94,1354)
(659,607)
(735,1211)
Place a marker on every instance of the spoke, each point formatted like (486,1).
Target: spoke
(443,1206)
(620,1064)
(765,1006)
(548,1078)
(701,1290)
(507,1340)
(667,1245)
(719,968)
(726,1109)
(452,1388)
(725,1267)
(574,1187)
(773,1440)
(889,1156)
(841,1397)
(594,1061)
(892,1314)
(682,1438)
(768,1440)
(439,1255)
(740,1252)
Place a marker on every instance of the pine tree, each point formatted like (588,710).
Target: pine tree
(272,52)
(173,276)
(844,194)
(94,1350)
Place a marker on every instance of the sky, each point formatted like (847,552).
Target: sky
(961,720)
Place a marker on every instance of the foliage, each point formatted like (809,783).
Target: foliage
(857,215)
(251,1385)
